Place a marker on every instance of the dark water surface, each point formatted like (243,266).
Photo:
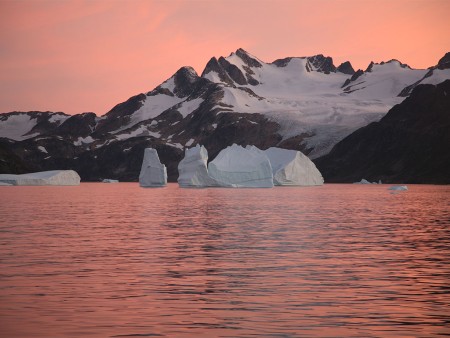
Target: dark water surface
(116,260)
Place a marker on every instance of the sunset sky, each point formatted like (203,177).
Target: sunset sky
(78,56)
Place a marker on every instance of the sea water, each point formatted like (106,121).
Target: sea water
(117,260)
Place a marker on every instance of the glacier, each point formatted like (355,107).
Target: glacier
(193,169)
(153,172)
(291,167)
(239,167)
(52,177)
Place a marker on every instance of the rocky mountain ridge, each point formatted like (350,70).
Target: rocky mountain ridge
(303,103)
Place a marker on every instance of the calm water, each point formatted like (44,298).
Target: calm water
(116,260)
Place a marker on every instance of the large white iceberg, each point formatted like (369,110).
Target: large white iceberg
(239,167)
(52,177)
(193,170)
(291,167)
(153,172)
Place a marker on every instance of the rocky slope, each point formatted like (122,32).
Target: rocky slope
(409,145)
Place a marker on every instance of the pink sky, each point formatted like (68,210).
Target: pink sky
(79,56)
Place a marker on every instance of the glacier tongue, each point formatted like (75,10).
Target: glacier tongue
(242,168)
(291,167)
(52,177)
(153,172)
(193,169)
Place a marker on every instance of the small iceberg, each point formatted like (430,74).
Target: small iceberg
(398,188)
(364,181)
(153,172)
(108,180)
(52,177)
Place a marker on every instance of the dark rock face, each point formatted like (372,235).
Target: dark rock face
(214,66)
(323,64)
(80,125)
(346,68)
(250,61)
(282,62)
(409,145)
(10,162)
(233,71)
(444,62)
(185,80)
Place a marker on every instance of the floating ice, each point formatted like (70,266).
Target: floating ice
(53,177)
(242,168)
(153,172)
(398,188)
(193,169)
(291,167)
(108,180)
(363,181)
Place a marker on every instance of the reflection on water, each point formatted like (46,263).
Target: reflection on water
(116,260)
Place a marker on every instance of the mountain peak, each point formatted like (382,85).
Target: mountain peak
(187,72)
(346,68)
(444,62)
(322,63)
(248,59)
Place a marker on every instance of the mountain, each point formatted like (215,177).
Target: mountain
(409,145)
(300,103)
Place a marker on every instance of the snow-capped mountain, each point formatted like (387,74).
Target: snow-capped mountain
(301,103)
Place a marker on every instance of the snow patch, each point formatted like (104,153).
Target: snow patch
(188,107)
(83,140)
(16,126)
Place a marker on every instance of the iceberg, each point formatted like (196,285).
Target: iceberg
(363,181)
(291,167)
(398,188)
(193,170)
(108,180)
(153,172)
(52,177)
(240,167)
